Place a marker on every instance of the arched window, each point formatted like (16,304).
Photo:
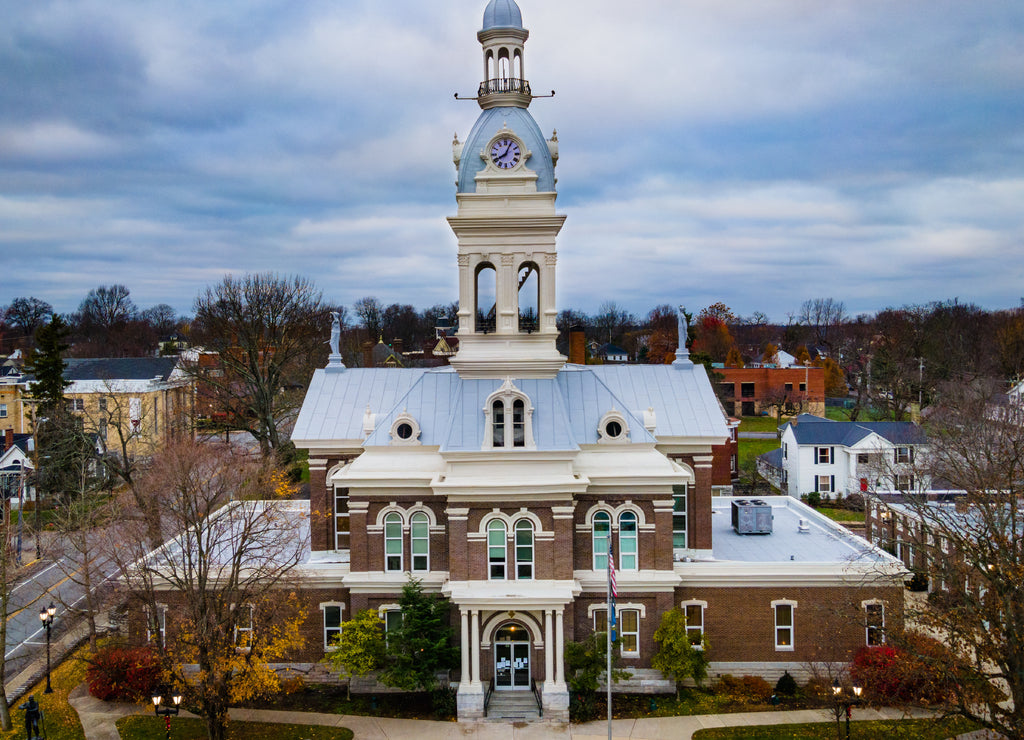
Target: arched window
(503,64)
(627,541)
(498,423)
(524,550)
(393,542)
(602,531)
(485,305)
(509,414)
(529,297)
(518,423)
(496,550)
(420,541)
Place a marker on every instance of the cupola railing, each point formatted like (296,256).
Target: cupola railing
(504,85)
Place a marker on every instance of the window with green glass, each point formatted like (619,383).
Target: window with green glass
(602,531)
(393,542)
(420,541)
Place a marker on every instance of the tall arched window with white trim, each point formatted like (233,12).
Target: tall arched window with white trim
(524,550)
(497,552)
(627,541)
(518,423)
(393,542)
(602,531)
(498,424)
(419,539)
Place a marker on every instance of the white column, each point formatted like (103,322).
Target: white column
(466,678)
(549,651)
(559,648)
(474,648)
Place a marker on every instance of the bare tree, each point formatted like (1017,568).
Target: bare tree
(824,317)
(268,334)
(972,552)
(226,573)
(371,315)
(28,314)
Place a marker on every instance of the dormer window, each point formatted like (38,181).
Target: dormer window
(612,428)
(405,430)
(509,414)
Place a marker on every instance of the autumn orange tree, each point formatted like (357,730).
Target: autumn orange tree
(226,573)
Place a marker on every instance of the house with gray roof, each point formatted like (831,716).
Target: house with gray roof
(837,458)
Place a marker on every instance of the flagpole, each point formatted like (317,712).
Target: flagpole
(608,635)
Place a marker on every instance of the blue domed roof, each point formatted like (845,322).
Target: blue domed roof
(502,14)
(522,125)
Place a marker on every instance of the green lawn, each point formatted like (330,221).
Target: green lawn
(147,727)
(749,449)
(842,515)
(759,424)
(904,729)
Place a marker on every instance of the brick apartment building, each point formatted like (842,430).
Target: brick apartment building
(750,391)
(501,480)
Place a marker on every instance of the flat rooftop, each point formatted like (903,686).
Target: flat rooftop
(824,540)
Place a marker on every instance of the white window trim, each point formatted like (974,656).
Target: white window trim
(641,611)
(593,539)
(504,561)
(703,608)
(414,438)
(413,539)
(507,394)
(323,619)
(161,610)
(792,626)
(636,539)
(604,438)
(401,543)
(818,455)
(533,550)
(249,629)
(620,610)
(867,627)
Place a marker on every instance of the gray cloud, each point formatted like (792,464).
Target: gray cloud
(753,152)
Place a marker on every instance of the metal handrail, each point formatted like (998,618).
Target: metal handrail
(504,85)
(487,695)
(536,695)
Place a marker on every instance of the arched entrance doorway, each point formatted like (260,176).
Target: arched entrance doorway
(511,658)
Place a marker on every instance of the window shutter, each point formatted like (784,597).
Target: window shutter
(832,484)
(911,451)
(832,455)
(896,455)
(815,484)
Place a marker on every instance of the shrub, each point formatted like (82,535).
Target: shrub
(119,673)
(814,499)
(921,670)
(745,689)
(786,685)
(444,702)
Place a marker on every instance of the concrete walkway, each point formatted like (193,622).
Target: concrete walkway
(98,720)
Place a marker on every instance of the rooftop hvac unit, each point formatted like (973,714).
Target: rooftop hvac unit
(751,517)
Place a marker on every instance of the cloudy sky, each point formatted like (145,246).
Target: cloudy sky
(757,152)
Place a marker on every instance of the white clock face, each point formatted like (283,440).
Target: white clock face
(505,153)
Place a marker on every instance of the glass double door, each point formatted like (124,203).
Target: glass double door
(511,666)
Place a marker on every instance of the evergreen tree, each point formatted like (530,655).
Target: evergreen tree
(47,364)
(423,645)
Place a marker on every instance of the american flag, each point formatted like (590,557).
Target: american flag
(612,588)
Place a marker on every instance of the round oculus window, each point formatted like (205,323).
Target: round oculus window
(613,429)
(404,430)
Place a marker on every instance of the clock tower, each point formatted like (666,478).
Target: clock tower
(506,223)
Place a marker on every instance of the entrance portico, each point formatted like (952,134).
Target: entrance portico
(504,627)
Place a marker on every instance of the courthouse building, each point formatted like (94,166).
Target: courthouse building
(498,480)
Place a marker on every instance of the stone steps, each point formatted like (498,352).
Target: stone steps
(510,706)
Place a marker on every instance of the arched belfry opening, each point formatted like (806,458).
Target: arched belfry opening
(529,297)
(485,298)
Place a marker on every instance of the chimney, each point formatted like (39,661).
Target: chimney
(397,345)
(368,353)
(8,439)
(577,345)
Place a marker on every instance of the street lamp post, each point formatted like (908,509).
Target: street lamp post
(167,710)
(46,617)
(846,703)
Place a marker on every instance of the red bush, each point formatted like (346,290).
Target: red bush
(922,671)
(118,673)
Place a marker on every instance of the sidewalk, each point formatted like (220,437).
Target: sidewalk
(98,720)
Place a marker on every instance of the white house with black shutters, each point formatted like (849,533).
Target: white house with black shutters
(837,458)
